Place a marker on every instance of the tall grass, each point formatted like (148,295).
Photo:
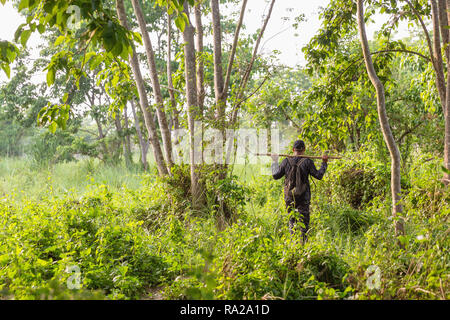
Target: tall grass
(22,178)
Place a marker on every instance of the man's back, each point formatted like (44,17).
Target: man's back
(307,167)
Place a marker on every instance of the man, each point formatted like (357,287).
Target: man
(299,203)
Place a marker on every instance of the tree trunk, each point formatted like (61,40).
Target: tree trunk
(101,138)
(437,52)
(162,119)
(446,40)
(233,52)
(143,100)
(120,135)
(384,122)
(218,72)
(128,155)
(200,65)
(192,101)
(173,102)
(143,146)
(199,49)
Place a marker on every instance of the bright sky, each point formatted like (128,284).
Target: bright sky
(279,35)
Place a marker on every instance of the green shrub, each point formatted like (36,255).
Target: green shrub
(356,180)
(112,251)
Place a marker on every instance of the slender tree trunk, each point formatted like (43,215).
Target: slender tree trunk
(200,66)
(101,138)
(128,154)
(143,100)
(233,52)
(143,146)
(446,39)
(199,49)
(162,119)
(437,52)
(173,102)
(192,101)
(218,71)
(384,122)
(120,135)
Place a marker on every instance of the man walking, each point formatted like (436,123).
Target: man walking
(299,203)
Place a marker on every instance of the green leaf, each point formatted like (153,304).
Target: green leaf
(50,76)
(23,4)
(24,37)
(18,32)
(124,53)
(137,37)
(7,69)
(59,40)
(41,28)
(94,63)
(117,50)
(179,22)
(52,127)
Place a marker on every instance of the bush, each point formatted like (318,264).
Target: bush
(112,251)
(346,220)
(48,148)
(11,134)
(357,181)
(224,196)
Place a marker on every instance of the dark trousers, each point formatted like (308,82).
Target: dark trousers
(298,210)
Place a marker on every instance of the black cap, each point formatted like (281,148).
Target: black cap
(299,145)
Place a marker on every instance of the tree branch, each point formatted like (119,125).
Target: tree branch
(383,51)
(250,66)
(425,30)
(233,52)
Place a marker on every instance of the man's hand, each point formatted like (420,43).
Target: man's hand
(325,158)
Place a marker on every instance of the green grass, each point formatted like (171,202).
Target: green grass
(24,179)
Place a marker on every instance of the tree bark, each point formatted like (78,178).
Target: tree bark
(173,102)
(446,40)
(101,138)
(162,119)
(437,52)
(143,146)
(120,135)
(199,49)
(192,101)
(200,65)
(384,122)
(143,100)
(218,71)
(127,150)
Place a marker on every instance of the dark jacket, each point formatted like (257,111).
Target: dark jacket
(308,168)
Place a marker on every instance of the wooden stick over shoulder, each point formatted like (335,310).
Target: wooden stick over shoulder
(294,156)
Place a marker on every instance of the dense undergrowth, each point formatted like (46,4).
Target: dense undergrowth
(125,235)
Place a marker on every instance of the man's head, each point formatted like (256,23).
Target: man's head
(299,147)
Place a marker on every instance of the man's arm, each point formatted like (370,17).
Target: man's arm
(278,171)
(318,174)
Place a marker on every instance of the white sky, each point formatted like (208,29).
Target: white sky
(279,35)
